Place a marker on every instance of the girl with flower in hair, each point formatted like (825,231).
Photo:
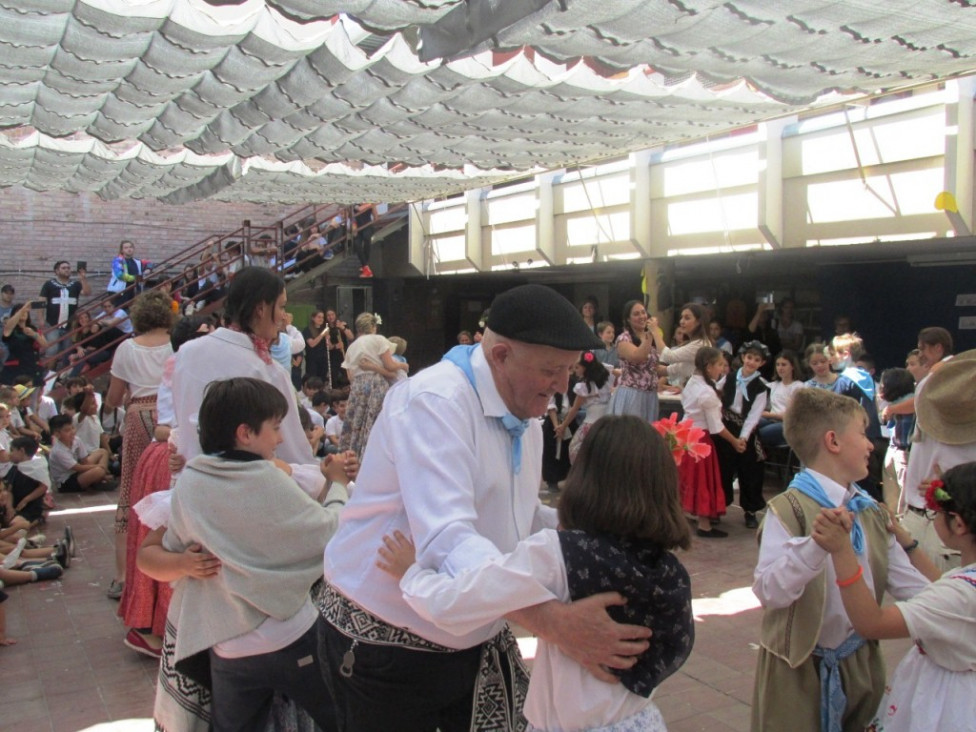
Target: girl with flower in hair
(620,521)
(934,686)
(702,495)
(592,396)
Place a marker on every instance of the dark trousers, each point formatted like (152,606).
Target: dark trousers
(361,245)
(398,688)
(750,471)
(243,687)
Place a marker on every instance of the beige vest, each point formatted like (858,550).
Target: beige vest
(791,633)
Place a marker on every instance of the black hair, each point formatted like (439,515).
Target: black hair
(186,329)
(59,422)
(27,444)
(322,397)
(595,374)
(628,306)
(76,400)
(960,483)
(755,347)
(316,383)
(896,383)
(59,263)
(794,361)
(305,419)
(252,286)
(232,402)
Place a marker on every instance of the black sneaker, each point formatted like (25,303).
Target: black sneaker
(42,574)
(711,534)
(751,522)
(62,555)
(69,540)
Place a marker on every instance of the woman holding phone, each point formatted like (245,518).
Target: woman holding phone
(24,344)
(636,392)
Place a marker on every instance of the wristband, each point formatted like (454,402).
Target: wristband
(911,547)
(851,580)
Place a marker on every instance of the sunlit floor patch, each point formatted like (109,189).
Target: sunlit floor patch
(83,509)
(139,724)
(733,602)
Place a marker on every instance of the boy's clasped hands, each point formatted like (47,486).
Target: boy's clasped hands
(832,529)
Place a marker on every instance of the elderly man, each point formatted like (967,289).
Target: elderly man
(454,460)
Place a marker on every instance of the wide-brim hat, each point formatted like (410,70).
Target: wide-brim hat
(946,404)
(24,391)
(541,316)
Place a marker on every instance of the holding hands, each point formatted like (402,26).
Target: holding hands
(832,529)
(199,563)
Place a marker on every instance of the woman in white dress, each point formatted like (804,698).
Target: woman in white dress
(371,368)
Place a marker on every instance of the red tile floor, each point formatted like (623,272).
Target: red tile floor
(69,670)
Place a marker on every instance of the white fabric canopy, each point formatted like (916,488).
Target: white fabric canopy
(182,99)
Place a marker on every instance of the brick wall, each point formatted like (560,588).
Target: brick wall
(37,229)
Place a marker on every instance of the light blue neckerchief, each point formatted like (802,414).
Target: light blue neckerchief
(742,383)
(833,700)
(810,487)
(862,378)
(460,356)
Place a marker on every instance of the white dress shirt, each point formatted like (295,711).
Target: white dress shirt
(787,564)
(438,469)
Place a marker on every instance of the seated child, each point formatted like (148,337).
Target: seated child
(320,411)
(310,387)
(806,635)
(333,427)
(315,433)
(28,479)
(88,428)
(73,467)
(934,686)
(251,614)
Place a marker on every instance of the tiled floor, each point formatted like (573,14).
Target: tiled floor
(70,671)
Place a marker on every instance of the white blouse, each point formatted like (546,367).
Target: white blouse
(141,367)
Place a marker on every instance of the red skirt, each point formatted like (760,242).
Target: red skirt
(144,600)
(701,485)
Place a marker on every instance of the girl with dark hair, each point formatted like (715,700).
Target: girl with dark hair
(316,346)
(338,341)
(678,364)
(934,685)
(620,519)
(781,392)
(702,495)
(636,392)
(592,396)
(24,345)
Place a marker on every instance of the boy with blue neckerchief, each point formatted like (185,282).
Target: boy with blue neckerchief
(814,672)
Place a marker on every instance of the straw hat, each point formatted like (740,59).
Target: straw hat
(946,405)
(23,391)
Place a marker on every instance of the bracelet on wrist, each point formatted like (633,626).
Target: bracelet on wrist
(851,580)
(911,547)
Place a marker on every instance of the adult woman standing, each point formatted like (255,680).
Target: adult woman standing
(339,338)
(678,364)
(127,272)
(590,312)
(137,371)
(636,392)
(316,346)
(371,368)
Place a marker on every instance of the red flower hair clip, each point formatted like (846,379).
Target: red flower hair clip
(588,357)
(936,495)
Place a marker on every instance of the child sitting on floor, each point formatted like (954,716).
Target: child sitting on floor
(934,686)
(73,467)
(814,672)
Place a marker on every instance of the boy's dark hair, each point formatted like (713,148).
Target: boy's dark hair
(75,400)
(338,395)
(896,383)
(305,418)
(322,397)
(868,360)
(230,403)
(625,483)
(936,336)
(316,383)
(59,422)
(73,381)
(27,444)
(252,286)
(186,329)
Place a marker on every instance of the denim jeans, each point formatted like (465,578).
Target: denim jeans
(398,688)
(243,687)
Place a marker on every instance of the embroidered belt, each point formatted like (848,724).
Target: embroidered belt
(502,681)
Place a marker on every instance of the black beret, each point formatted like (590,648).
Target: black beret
(541,316)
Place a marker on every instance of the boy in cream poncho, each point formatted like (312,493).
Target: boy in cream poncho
(252,622)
